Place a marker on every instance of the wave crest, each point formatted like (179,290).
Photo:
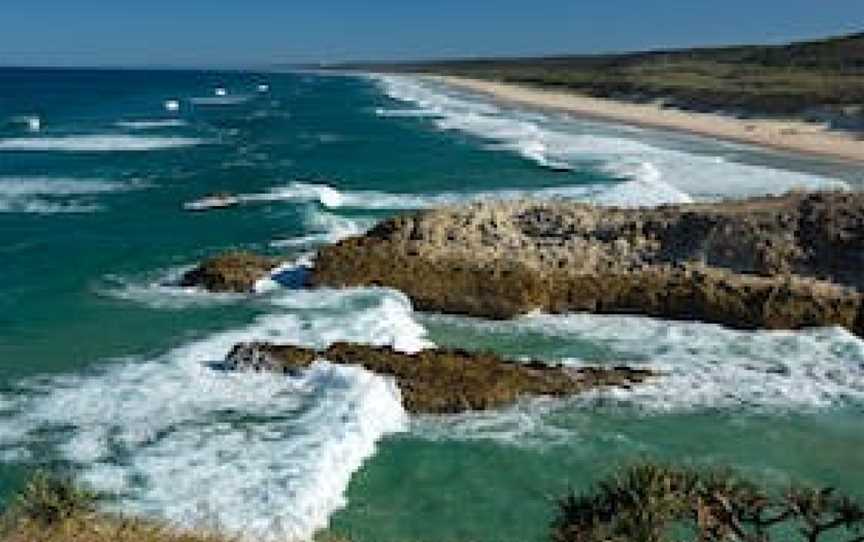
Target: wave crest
(651,174)
(96,143)
(263,456)
(48,195)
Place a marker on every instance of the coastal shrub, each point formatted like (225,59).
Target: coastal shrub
(49,499)
(798,79)
(54,508)
(657,503)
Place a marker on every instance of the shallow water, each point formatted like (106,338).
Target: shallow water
(104,362)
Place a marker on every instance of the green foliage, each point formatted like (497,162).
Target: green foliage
(655,503)
(55,509)
(51,499)
(789,80)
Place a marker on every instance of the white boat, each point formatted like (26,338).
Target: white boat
(213,201)
(172,105)
(31,122)
(220,92)
(262,88)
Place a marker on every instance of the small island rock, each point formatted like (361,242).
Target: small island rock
(236,271)
(441,381)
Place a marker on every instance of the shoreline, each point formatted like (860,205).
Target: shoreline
(781,135)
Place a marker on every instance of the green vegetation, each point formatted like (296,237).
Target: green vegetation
(818,80)
(645,503)
(652,503)
(54,509)
(49,500)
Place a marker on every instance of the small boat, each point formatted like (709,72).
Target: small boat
(262,88)
(220,92)
(172,105)
(221,200)
(33,123)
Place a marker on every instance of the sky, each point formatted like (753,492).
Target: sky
(255,33)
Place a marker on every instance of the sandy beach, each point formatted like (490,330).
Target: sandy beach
(786,135)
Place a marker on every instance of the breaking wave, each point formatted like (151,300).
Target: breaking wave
(324,228)
(333,198)
(262,456)
(711,366)
(47,195)
(704,367)
(151,124)
(655,174)
(97,143)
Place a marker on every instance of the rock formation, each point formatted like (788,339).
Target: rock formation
(230,272)
(773,262)
(441,381)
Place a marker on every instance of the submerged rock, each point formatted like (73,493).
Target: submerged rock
(440,381)
(230,272)
(773,262)
(259,356)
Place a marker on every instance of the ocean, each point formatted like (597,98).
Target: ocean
(105,363)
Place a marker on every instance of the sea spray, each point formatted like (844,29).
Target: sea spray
(264,456)
(706,371)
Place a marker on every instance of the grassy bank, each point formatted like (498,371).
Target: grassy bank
(818,80)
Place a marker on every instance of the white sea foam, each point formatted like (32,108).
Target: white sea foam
(299,192)
(266,457)
(406,113)
(657,174)
(97,143)
(707,365)
(151,124)
(625,194)
(324,228)
(164,292)
(703,367)
(524,424)
(47,195)
(646,188)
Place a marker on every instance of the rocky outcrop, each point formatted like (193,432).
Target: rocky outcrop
(441,381)
(775,262)
(230,272)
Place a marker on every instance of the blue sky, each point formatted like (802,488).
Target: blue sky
(260,32)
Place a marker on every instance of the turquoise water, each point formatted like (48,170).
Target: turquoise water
(104,360)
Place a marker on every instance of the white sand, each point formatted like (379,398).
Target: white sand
(788,135)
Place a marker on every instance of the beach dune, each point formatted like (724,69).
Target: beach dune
(785,135)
